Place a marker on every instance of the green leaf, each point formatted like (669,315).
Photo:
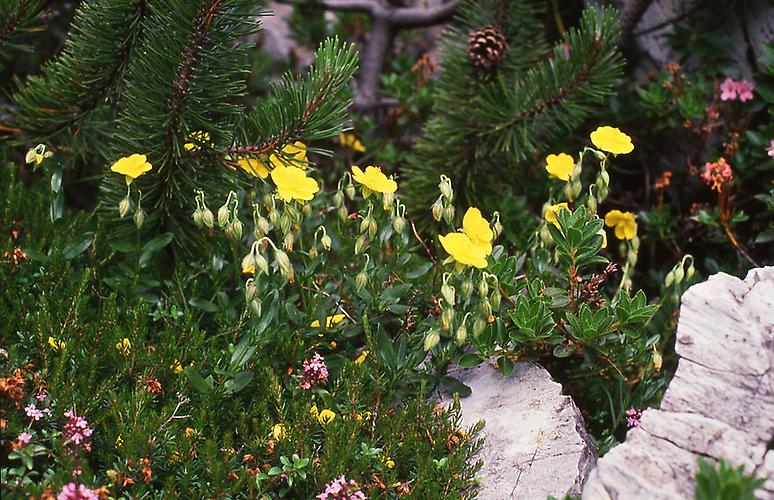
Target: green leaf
(469,360)
(204,305)
(152,247)
(77,246)
(454,386)
(239,382)
(197,381)
(505,365)
(419,271)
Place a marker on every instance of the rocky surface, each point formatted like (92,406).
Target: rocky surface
(720,403)
(535,439)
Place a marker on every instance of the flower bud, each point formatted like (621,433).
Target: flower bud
(495,299)
(361,280)
(497,229)
(124,206)
(234,230)
(545,235)
(207,218)
(343,214)
(360,244)
(251,290)
(388,199)
(431,339)
(448,293)
(592,203)
(313,253)
(261,263)
(372,228)
(364,224)
(287,243)
(139,217)
(249,262)
(691,270)
(568,191)
(486,307)
(326,242)
(338,199)
(445,187)
(197,217)
(399,224)
(306,209)
(669,279)
(283,262)
(478,326)
(285,223)
(483,288)
(466,289)
(447,318)
(223,216)
(599,154)
(658,360)
(350,191)
(262,226)
(577,187)
(461,334)
(274,217)
(255,307)
(268,201)
(679,273)
(448,214)
(437,210)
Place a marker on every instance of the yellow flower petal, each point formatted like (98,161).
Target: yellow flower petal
(254,167)
(352,142)
(624,224)
(603,234)
(200,136)
(552,211)
(293,155)
(278,432)
(463,250)
(131,167)
(374,179)
(612,140)
(560,166)
(362,357)
(478,230)
(326,417)
(330,321)
(293,184)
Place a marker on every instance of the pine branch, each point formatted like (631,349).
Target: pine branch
(19,18)
(103,36)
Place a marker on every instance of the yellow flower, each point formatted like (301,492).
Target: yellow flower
(293,155)
(553,211)
(560,166)
(176,457)
(189,431)
(200,136)
(612,140)
(313,410)
(253,166)
(478,230)
(55,344)
(124,346)
(37,154)
(330,321)
(352,142)
(623,222)
(131,167)
(463,250)
(293,184)
(249,269)
(176,367)
(119,441)
(603,234)
(374,179)
(366,415)
(389,462)
(278,431)
(361,358)
(326,417)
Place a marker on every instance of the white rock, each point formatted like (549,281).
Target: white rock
(719,405)
(535,439)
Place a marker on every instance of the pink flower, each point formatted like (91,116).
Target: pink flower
(342,489)
(24,438)
(770,149)
(717,174)
(728,89)
(33,412)
(633,417)
(41,396)
(77,430)
(745,90)
(72,491)
(314,372)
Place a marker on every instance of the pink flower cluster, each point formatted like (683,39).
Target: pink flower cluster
(33,412)
(742,90)
(770,149)
(314,372)
(72,491)
(633,417)
(342,489)
(24,438)
(717,174)
(77,430)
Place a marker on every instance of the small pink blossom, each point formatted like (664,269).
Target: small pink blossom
(728,89)
(24,438)
(72,491)
(770,149)
(342,489)
(42,395)
(76,430)
(314,372)
(33,412)
(731,90)
(745,90)
(717,174)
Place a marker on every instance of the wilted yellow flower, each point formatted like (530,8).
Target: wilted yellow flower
(293,155)
(478,230)
(253,166)
(176,367)
(198,135)
(553,211)
(463,250)
(55,344)
(293,184)
(326,417)
(560,166)
(361,358)
(189,431)
(612,140)
(37,154)
(278,431)
(374,179)
(330,321)
(603,234)
(352,142)
(623,222)
(124,346)
(131,167)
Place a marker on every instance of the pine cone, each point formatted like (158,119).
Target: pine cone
(486,46)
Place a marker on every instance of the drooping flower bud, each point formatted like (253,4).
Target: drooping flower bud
(262,225)
(338,199)
(139,217)
(313,253)
(466,289)
(255,307)
(445,186)
(669,279)
(234,230)
(447,318)
(283,262)
(350,191)
(483,288)
(364,223)
(326,242)
(448,294)
(285,223)
(274,217)
(448,214)
(679,273)
(388,199)
(261,263)
(306,209)
(691,271)
(287,243)
(207,218)
(124,206)
(251,290)
(197,217)
(437,210)
(224,215)
(478,326)
(431,339)
(343,214)
(360,243)
(486,307)
(372,227)
(361,280)
(495,298)
(399,224)
(461,334)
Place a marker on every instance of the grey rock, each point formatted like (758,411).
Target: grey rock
(535,439)
(719,404)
